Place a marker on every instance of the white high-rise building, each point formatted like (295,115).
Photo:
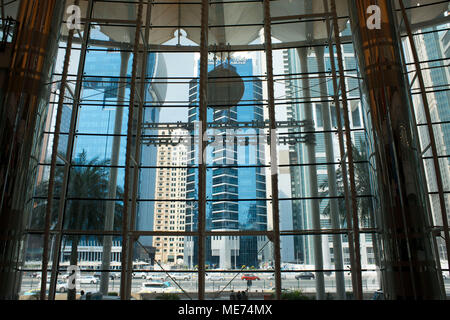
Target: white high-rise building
(170,215)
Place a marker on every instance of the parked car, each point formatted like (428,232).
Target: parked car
(61,276)
(214,277)
(39,276)
(64,276)
(305,276)
(156,276)
(249,277)
(62,287)
(112,275)
(179,276)
(140,275)
(88,280)
(156,287)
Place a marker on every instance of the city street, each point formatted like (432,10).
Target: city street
(265,284)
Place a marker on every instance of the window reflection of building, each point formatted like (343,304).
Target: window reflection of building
(95,131)
(170,184)
(433,48)
(229,185)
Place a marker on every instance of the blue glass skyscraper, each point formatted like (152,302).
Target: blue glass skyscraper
(225,183)
(98,111)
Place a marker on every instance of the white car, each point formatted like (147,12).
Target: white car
(158,276)
(140,275)
(39,276)
(156,287)
(88,280)
(64,276)
(179,276)
(62,287)
(215,277)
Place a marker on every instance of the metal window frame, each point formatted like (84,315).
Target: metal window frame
(129,234)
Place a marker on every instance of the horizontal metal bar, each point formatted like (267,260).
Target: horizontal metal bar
(207,200)
(214,48)
(300,16)
(208,233)
(224,125)
(326,231)
(108,21)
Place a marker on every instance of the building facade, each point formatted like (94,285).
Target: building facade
(101,124)
(235,197)
(170,216)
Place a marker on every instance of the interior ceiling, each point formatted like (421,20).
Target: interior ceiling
(171,15)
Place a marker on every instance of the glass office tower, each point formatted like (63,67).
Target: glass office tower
(226,186)
(101,124)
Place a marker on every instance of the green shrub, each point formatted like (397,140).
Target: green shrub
(113,294)
(293,295)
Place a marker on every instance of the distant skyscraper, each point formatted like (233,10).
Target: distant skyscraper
(96,125)
(225,185)
(170,216)
(301,211)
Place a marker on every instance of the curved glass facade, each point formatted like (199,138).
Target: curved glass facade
(298,144)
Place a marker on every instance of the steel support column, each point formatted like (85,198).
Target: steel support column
(51,183)
(129,155)
(138,146)
(273,149)
(110,206)
(331,173)
(2,6)
(313,188)
(33,56)
(434,151)
(57,243)
(203,105)
(356,251)
(337,104)
(409,268)
(69,155)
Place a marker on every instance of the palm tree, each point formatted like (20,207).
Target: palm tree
(88,186)
(363,189)
(362,183)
